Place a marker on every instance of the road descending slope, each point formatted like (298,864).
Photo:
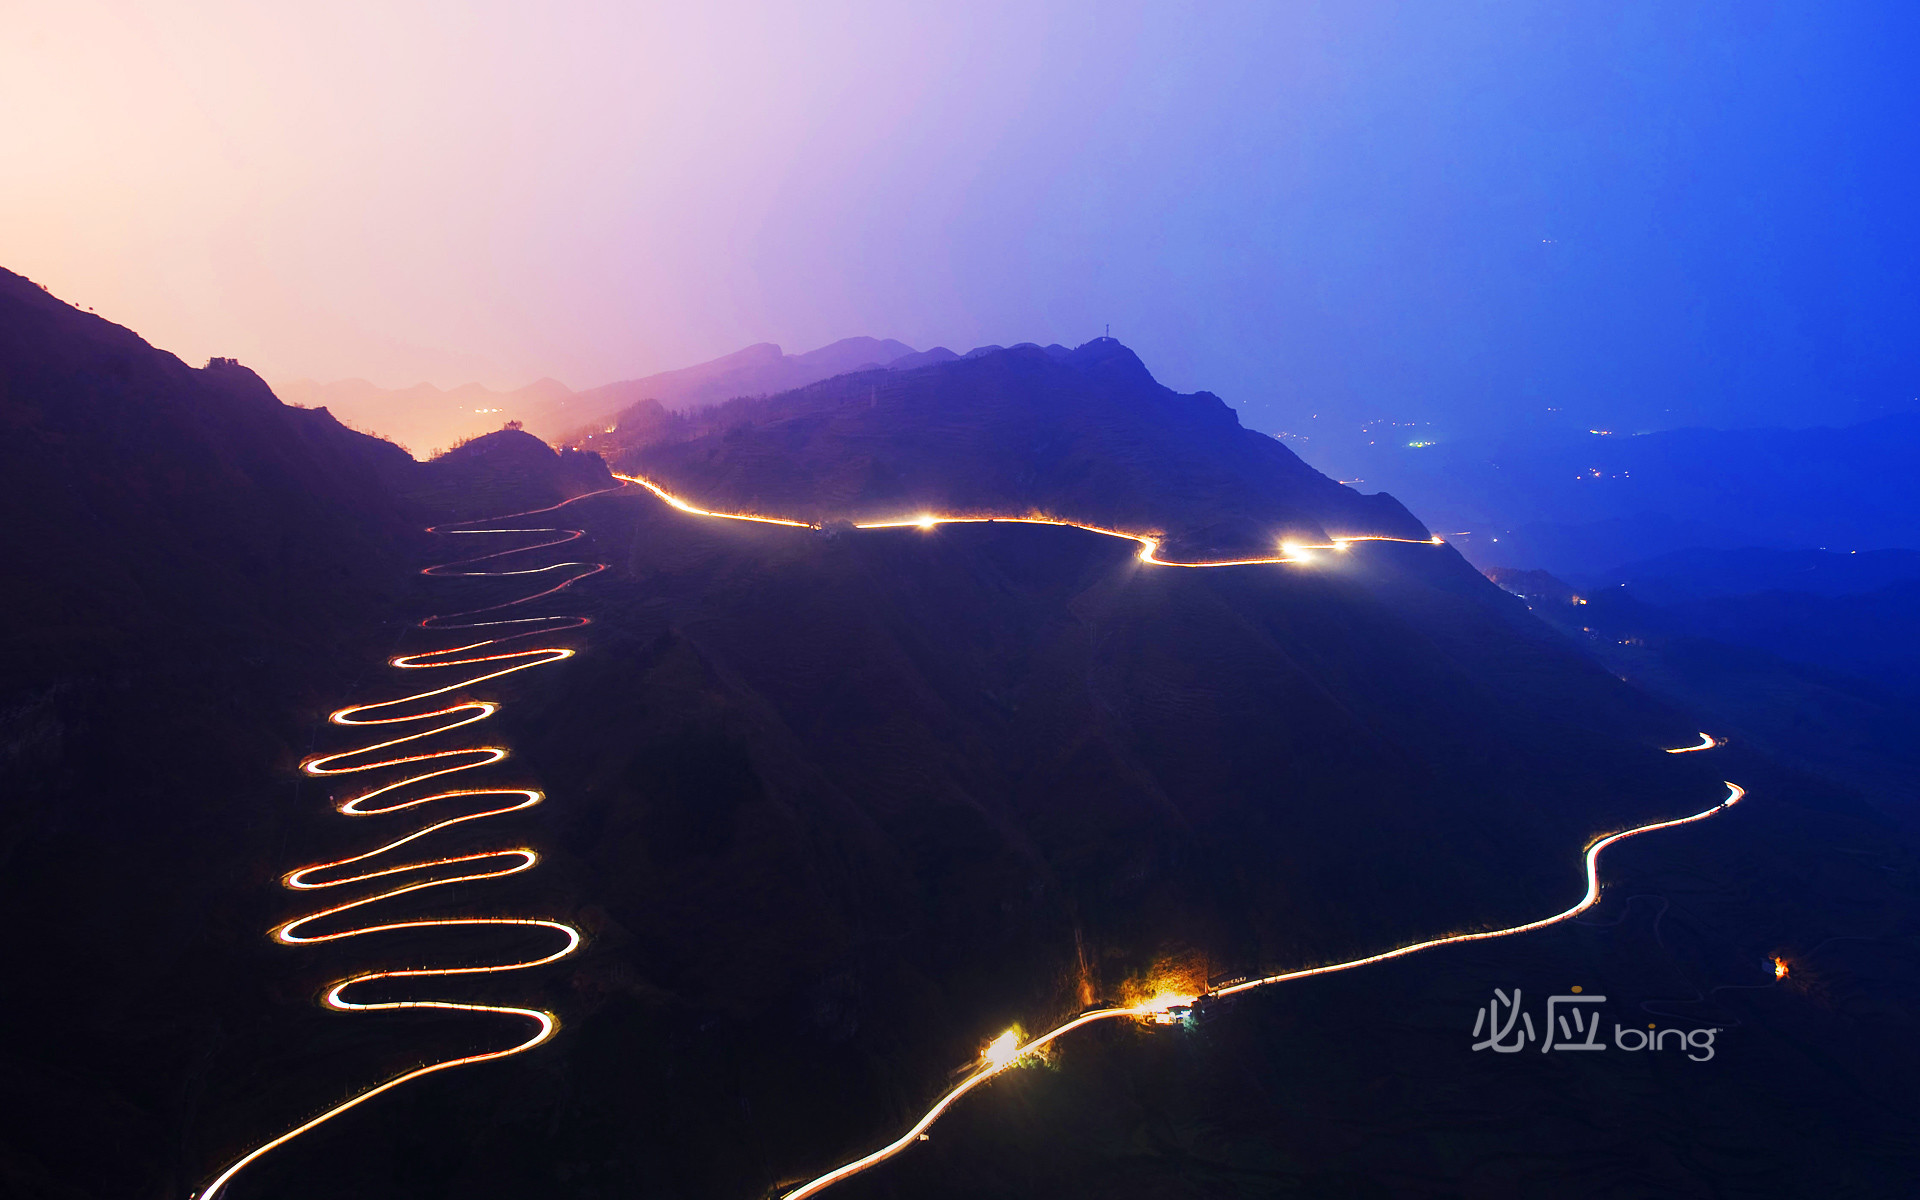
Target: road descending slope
(496,661)
(1005,1053)
(1008,1049)
(496,658)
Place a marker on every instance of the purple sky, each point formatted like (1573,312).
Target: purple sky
(1642,214)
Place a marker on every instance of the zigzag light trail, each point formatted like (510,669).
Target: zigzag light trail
(494,663)
(1003,1053)
(1007,1050)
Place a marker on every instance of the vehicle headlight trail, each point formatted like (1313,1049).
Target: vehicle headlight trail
(421,719)
(1707,742)
(1006,1050)
(1000,1056)
(414,718)
(1290,551)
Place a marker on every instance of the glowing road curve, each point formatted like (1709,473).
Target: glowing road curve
(1007,1049)
(1000,1057)
(439,712)
(435,711)
(1290,551)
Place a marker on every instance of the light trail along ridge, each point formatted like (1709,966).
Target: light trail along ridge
(1007,1049)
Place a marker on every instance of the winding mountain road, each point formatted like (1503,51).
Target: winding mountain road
(1005,1051)
(417,709)
(495,659)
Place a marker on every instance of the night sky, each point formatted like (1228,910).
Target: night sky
(1642,215)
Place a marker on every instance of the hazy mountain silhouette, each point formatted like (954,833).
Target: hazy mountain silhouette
(1825,681)
(153,493)
(427,419)
(1585,505)
(1701,574)
(196,573)
(1086,434)
(832,806)
(423,418)
(756,370)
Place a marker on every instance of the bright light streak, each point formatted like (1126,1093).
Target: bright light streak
(1167,1000)
(1706,743)
(1160,1009)
(1001,1050)
(1291,552)
(684,507)
(449,870)
(990,1068)
(1000,1053)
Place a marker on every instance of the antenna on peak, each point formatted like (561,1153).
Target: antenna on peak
(1108,335)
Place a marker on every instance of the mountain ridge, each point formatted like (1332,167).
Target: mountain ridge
(1087,435)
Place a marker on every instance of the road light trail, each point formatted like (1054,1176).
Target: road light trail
(685,507)
(493,663)
(1000,1062)
(1707,742)
(999,1058)
(1290,551)
(517,859)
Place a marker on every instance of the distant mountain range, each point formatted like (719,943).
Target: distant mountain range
(1583,505)
(424,418)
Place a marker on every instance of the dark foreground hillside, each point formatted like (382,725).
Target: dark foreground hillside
(838,808)
(195,574)
(833,808)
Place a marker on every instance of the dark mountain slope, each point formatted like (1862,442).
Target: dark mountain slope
(505,471)
(194,572)
(837,807)
(1700,574)
(150,499)
(1823,683)
(1088,435)
(831,807)
(1580,505)
(754,371)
